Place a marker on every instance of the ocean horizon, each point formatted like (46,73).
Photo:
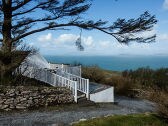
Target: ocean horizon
(116,63)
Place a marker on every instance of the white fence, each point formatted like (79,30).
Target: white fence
(52,78)
(82,83)
(58,77)
(76,70)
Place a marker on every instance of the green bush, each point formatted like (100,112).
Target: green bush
(160,97)
(121,84)
(147,77)
(93,73)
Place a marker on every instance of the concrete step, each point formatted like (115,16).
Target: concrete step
(80,94)
(84,102)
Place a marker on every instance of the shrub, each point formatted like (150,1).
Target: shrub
(148,78)
(121,84)
(163,105)
(160,97)
(94,74)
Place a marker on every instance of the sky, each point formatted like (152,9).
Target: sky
(98,43)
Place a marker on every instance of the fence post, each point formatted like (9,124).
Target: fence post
(75,95)
(49,66)
(80,71)
(87,92)
(80,83)
(62,81)
(62,66)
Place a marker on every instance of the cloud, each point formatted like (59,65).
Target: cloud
(105,44)
(147,34)
(163,37)
(88,41)
(65,44)
(44,38)
(70,39)
(165,5)
(66,38)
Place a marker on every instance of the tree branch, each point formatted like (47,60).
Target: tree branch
(29,21)
(20,5)
(33,8)
(123,35)
(84,26)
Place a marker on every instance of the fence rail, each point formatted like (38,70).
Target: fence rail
(75,70)
(58,77)
(53,79)
(82,83)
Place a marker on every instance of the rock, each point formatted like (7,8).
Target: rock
(34,94)
(36,100)
(30,98)
(12,94)
(27,96)
(4,106)
(12,107)
(16,101)
(20,107)
(7,109)
(2,94)
(23,99)
(11,91)
(30,102)
(26,92)
(82,120)
(9,101)
(17,92)
(1,101)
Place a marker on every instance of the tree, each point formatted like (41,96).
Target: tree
(17,21)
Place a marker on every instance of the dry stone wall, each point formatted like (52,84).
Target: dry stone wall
(16,98)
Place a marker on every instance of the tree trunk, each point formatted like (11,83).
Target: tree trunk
(6,51)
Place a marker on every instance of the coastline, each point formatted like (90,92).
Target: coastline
(115,63)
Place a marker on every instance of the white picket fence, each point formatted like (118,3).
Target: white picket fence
(75,70)
(82,83)
(62,79)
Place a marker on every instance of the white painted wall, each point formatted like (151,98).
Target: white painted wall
(103,96)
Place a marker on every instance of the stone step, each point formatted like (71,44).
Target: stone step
(83,101)
(80,94)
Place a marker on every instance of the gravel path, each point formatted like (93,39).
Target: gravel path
(65,116)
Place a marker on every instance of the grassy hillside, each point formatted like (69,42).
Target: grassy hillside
(125,120)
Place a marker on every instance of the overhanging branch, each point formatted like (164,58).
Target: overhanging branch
(62,25)
(33,8)
(21,5)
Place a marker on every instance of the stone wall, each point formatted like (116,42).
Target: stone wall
(16,98)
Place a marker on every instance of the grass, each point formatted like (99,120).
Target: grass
(125,120)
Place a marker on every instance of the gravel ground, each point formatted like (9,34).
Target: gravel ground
(66,116)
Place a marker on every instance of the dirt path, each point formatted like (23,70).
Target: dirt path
(69,114)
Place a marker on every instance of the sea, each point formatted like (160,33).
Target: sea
(115,63)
